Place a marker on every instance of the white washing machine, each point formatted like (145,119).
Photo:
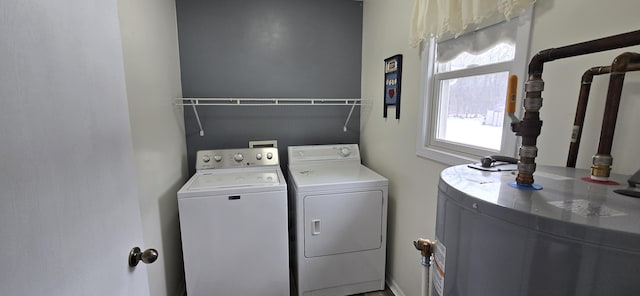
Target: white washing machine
(233,220)
(339,218)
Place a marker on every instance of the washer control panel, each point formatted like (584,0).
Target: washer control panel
(236,158)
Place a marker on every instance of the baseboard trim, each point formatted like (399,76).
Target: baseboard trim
(393,286)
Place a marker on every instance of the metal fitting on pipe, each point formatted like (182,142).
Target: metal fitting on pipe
(534,85)
(600,159)
(530,128)
(526,168)
(533,104)
(601,167)
(528,151)
(524,178)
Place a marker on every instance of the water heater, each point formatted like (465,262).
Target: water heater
(573,237)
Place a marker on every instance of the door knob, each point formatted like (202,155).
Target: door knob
(136,255)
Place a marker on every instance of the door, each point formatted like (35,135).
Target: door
(342,222)
(69,213)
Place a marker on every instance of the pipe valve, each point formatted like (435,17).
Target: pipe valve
(426,248)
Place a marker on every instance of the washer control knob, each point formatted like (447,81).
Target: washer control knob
(269,155)
(259,156)
(217,158)
(344,151)
(238,157)
(206,158)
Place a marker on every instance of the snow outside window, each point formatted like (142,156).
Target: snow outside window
(464,92)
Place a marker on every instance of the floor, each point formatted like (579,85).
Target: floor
(386,292)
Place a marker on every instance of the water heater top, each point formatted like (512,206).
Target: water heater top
(567,206)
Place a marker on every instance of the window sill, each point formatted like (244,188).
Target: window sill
(445,157)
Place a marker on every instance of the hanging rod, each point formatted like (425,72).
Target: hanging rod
(352,102)
(266,101)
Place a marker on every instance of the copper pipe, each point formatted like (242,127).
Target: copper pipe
(530,126)
(581,109)
(601,166)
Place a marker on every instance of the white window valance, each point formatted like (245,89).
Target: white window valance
(485,39)
(445,19)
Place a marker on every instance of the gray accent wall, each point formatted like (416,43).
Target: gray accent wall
(270,49)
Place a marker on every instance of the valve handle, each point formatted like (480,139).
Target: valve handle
(512,94)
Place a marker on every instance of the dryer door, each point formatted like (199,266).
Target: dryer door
(342,222)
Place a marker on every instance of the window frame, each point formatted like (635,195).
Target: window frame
(427,146)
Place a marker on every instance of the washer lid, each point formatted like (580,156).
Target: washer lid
(339,175)
(216,179)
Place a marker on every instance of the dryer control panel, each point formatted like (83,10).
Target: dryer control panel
(236,158)
(317,153)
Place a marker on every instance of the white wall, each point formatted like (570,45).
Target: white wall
(152,70)
(388,145)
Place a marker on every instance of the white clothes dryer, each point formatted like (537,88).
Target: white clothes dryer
(233,221)
(339,218)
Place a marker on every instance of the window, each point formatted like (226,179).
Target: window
(464,92)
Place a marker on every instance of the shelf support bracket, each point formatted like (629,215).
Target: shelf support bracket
(344,128)
(195,112)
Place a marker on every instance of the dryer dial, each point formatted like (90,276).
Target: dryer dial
(344,151)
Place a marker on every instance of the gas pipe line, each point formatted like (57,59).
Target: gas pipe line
(602,160)
(530,126)
(581,108)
